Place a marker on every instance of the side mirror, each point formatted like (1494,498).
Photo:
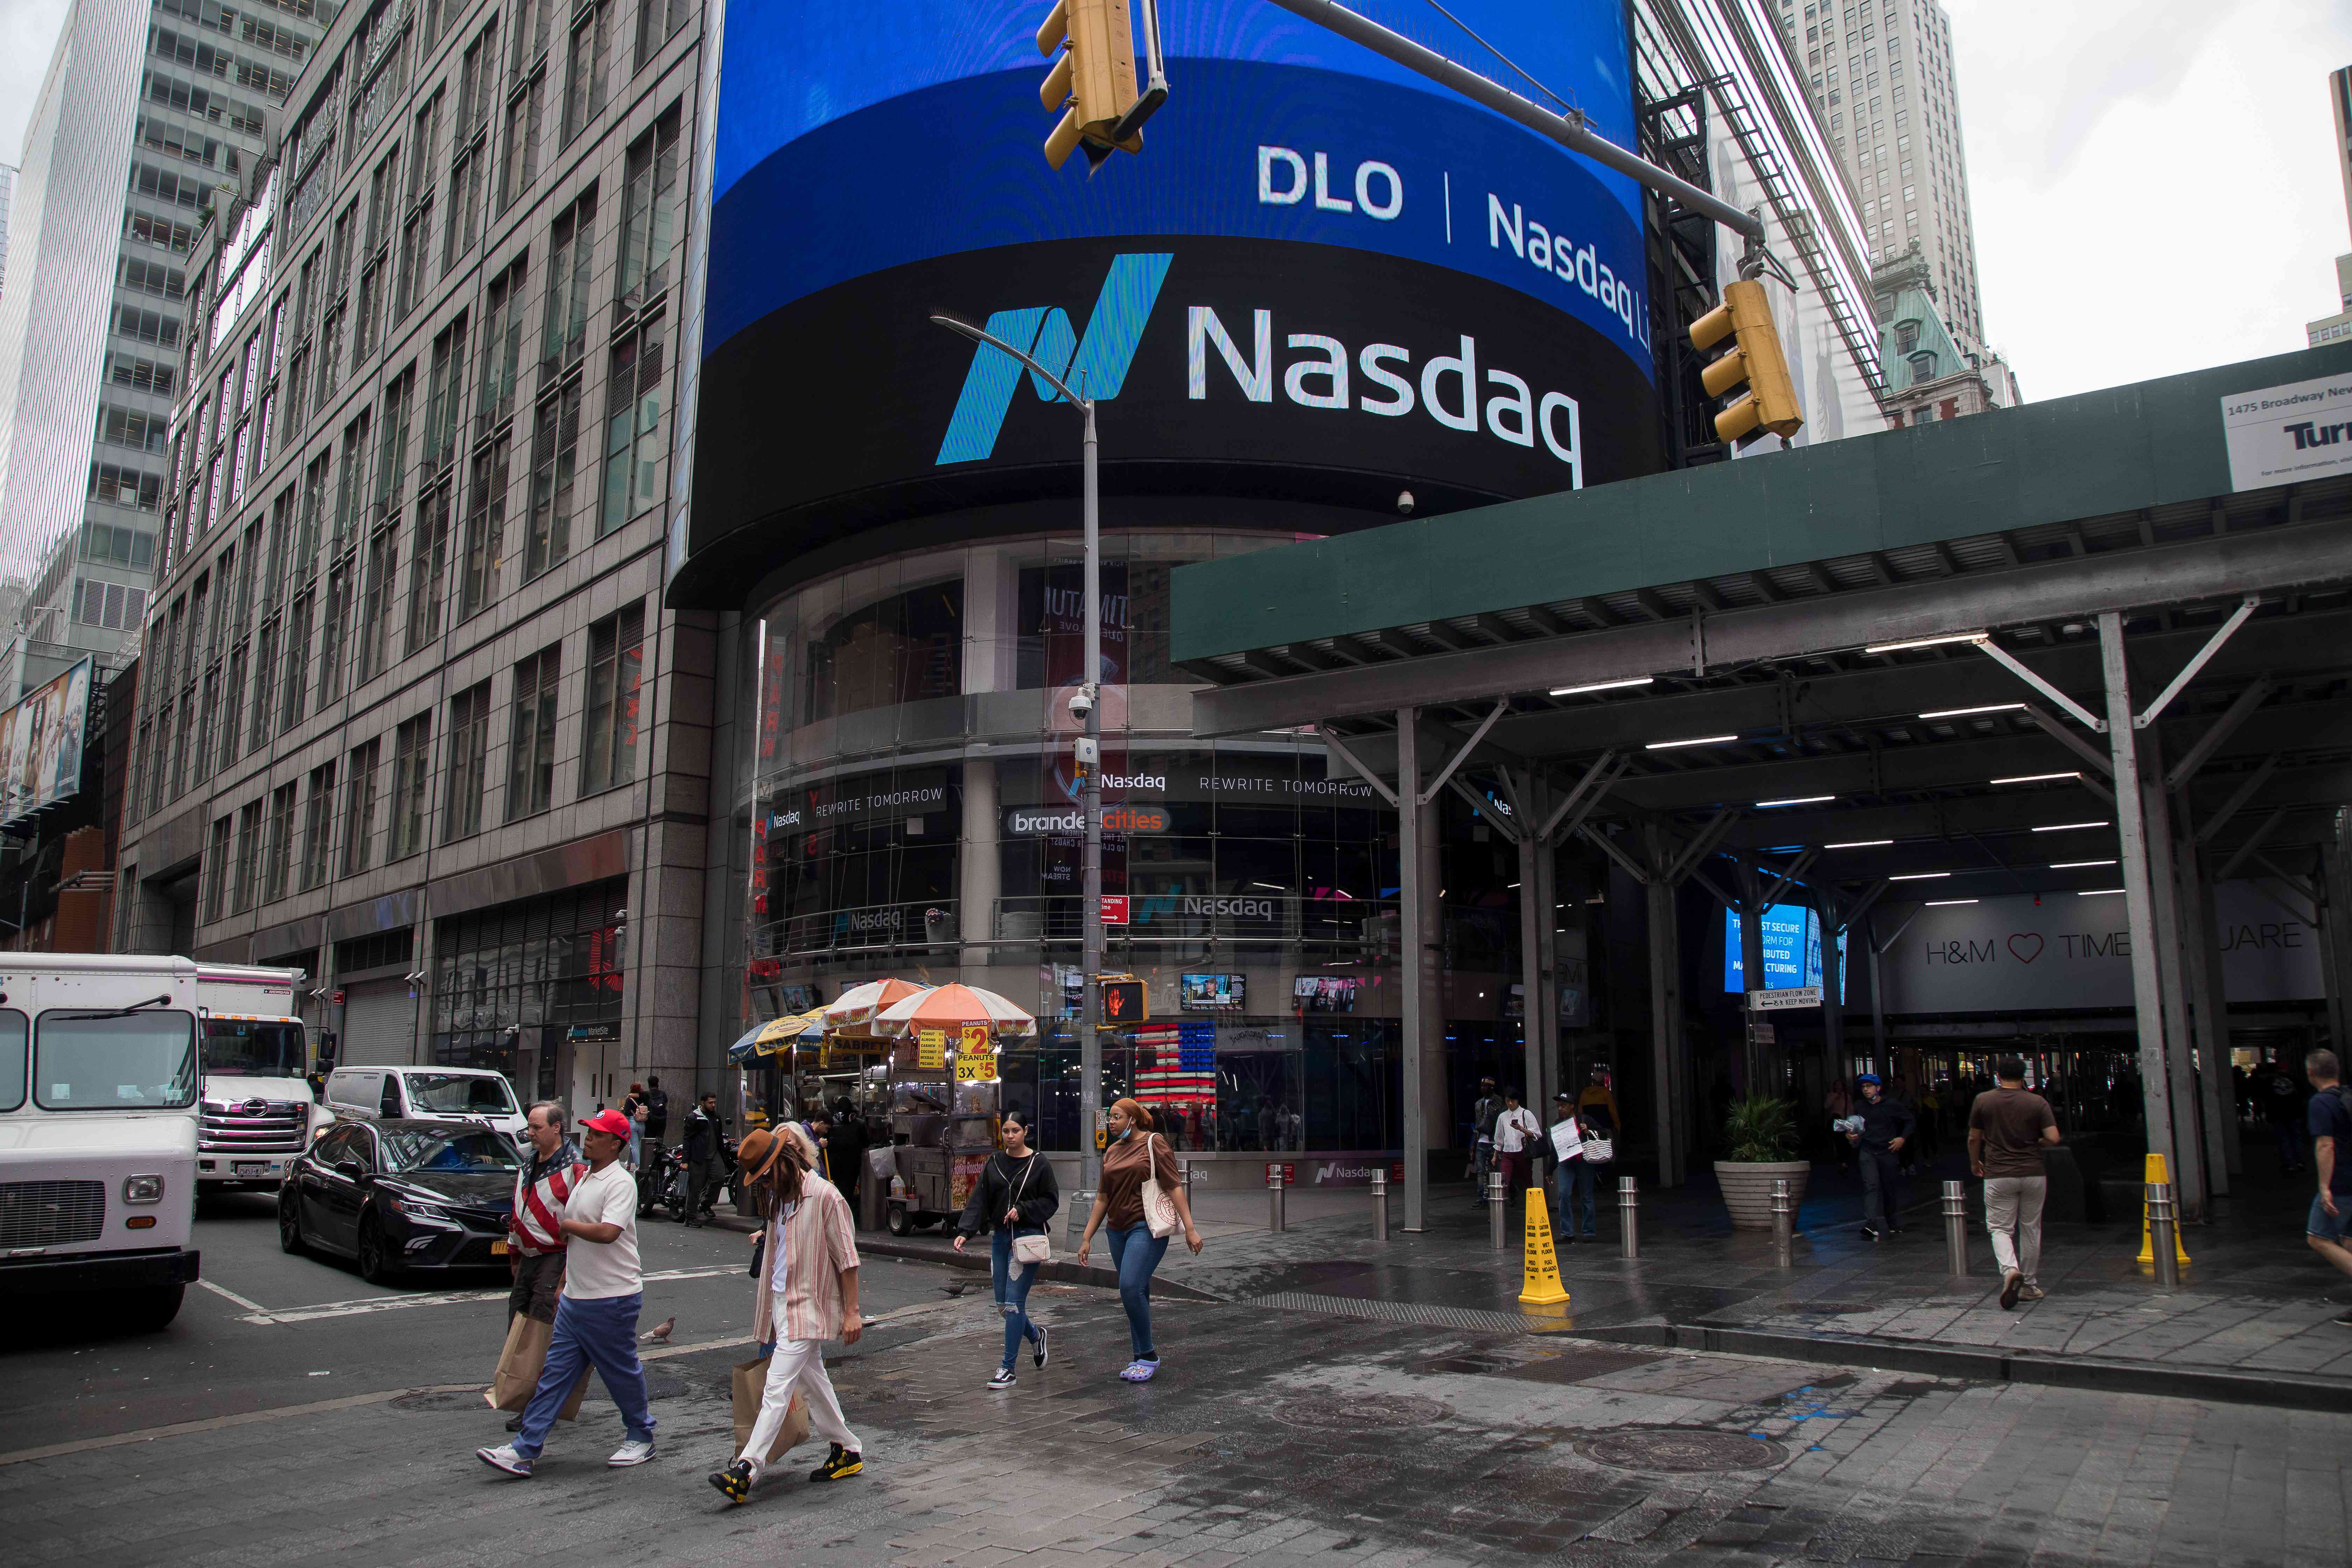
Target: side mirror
(351,1170)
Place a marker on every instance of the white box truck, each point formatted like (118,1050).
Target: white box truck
(260,1108)
(97,1133)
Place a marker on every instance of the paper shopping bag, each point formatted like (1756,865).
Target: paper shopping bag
(520,1364)
(749,1383)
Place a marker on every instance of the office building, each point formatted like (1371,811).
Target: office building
(7,201)
(413,718)
(2338,326)
(146,111)
(1929,375)
(1880,73)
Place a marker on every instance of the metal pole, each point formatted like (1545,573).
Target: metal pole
(1275,1219)
(1380,1206)
(2163,1236)
(1629,1217)
(1784,1225)
(1498,1208)
(1409,968)
(2131,834)
(1090,806)
(1956,1226)
(1570,133)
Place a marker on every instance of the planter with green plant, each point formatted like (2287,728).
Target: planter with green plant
(1761,1139)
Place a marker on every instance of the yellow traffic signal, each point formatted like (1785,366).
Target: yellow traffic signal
(1770,400)
(1094,83)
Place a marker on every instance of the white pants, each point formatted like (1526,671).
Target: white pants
(798,1364)
(2014,1204)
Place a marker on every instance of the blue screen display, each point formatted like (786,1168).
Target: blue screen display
(1792,950)
(846,146)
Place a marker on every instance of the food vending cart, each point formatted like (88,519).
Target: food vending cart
(944,1101)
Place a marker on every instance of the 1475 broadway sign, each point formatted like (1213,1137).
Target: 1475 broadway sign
(2008,953)
(2279,435)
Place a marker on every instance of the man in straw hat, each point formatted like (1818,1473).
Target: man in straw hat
(807,1294)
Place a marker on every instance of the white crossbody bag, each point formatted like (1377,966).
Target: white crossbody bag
(1028,1249)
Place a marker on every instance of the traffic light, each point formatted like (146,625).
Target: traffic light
(1770,401)
(1123,1003)
(1094,83)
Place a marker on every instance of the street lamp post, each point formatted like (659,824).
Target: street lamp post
(1089,764)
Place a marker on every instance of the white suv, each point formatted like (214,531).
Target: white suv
(475,1094)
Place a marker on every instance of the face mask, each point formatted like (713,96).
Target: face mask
(1123,1134)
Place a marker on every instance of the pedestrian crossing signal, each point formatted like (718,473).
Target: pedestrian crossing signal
(1123,1003)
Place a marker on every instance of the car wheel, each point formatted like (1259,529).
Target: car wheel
(901,1223)
(151,1312)
(290,1223)
(376,1265)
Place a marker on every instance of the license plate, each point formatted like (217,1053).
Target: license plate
(253,1167)
(497,1249)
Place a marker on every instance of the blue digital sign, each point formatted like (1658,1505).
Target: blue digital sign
(850,141)
(1792,950)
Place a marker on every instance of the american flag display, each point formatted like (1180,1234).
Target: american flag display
(1176,1063)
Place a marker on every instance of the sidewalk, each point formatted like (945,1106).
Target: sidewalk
(2249,1324)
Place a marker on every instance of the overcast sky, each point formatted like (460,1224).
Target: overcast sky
(2152,179)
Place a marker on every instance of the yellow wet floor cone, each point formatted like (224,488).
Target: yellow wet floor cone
(2156,1172)
(1539,1284)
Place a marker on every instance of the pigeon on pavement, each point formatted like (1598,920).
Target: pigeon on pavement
(659,1333)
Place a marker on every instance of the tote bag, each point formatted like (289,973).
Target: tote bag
(1159,1209)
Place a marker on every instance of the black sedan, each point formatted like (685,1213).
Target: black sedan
(402,1194)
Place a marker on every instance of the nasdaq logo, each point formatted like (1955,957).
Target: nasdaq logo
(1094,365)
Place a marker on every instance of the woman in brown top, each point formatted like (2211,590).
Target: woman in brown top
(1135,1155)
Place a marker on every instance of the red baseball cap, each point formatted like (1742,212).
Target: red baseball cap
(607,1122)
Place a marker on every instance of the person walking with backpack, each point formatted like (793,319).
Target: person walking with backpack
(2006,1128)
(1139,1222)
(596,1319)
(1014,1199)
(806,1295)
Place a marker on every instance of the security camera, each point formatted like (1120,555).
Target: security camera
(1082,702)
(1404,503)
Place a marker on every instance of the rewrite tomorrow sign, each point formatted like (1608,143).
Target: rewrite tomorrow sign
(2067,951)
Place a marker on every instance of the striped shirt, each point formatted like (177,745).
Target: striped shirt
(534,1227)
(812,1245)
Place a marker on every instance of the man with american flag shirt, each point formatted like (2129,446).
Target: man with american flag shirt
(535,1239)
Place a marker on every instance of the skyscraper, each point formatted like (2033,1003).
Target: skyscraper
(7,200)
(1882,79)
(147,109)
(2330,328)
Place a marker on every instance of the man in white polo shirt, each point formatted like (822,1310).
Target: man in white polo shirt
(596,1319)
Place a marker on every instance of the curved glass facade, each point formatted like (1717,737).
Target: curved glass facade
(911,811)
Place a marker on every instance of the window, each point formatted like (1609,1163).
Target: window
(657,21)
(384,195)
(428,568)
(248,855)
(318,825)
(109,605)
(218,870)
(469,743)
(265,682)
(359,810)
(608,747)
(411,769)
(502,345)
(649,219)
(441,397)
(634,444)
(477,83)
(232,730)
(330,634)
(298,654)
(416,228)
(375,610)
(115,486)
(583,80)
(347,496)
(485,527)
(530,754)
(564,329)
(525,105)
(391,452)
(277,848)
(554,455)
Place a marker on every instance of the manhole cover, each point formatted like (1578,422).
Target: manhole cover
(1680,1449)
(1359,1412)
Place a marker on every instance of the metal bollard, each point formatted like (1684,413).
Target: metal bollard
(1784,1225)
(1082,1203)
(1275,1217)
(1380,1206)
(1956,1226)
(1499,1208)
(1629,1217)
(2163,1234)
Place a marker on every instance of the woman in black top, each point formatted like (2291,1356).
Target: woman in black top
(1014,1197)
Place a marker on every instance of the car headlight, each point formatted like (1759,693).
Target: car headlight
(143,1189)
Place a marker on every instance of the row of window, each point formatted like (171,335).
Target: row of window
(259,852)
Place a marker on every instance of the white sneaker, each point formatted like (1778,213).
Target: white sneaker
(504,1458)
(635,1451)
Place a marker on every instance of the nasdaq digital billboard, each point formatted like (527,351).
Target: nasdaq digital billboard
(1322,275)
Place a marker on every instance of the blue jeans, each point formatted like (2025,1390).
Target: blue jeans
(602,1333)
(1136,1253)
(1012,1292)
(1571,1189)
